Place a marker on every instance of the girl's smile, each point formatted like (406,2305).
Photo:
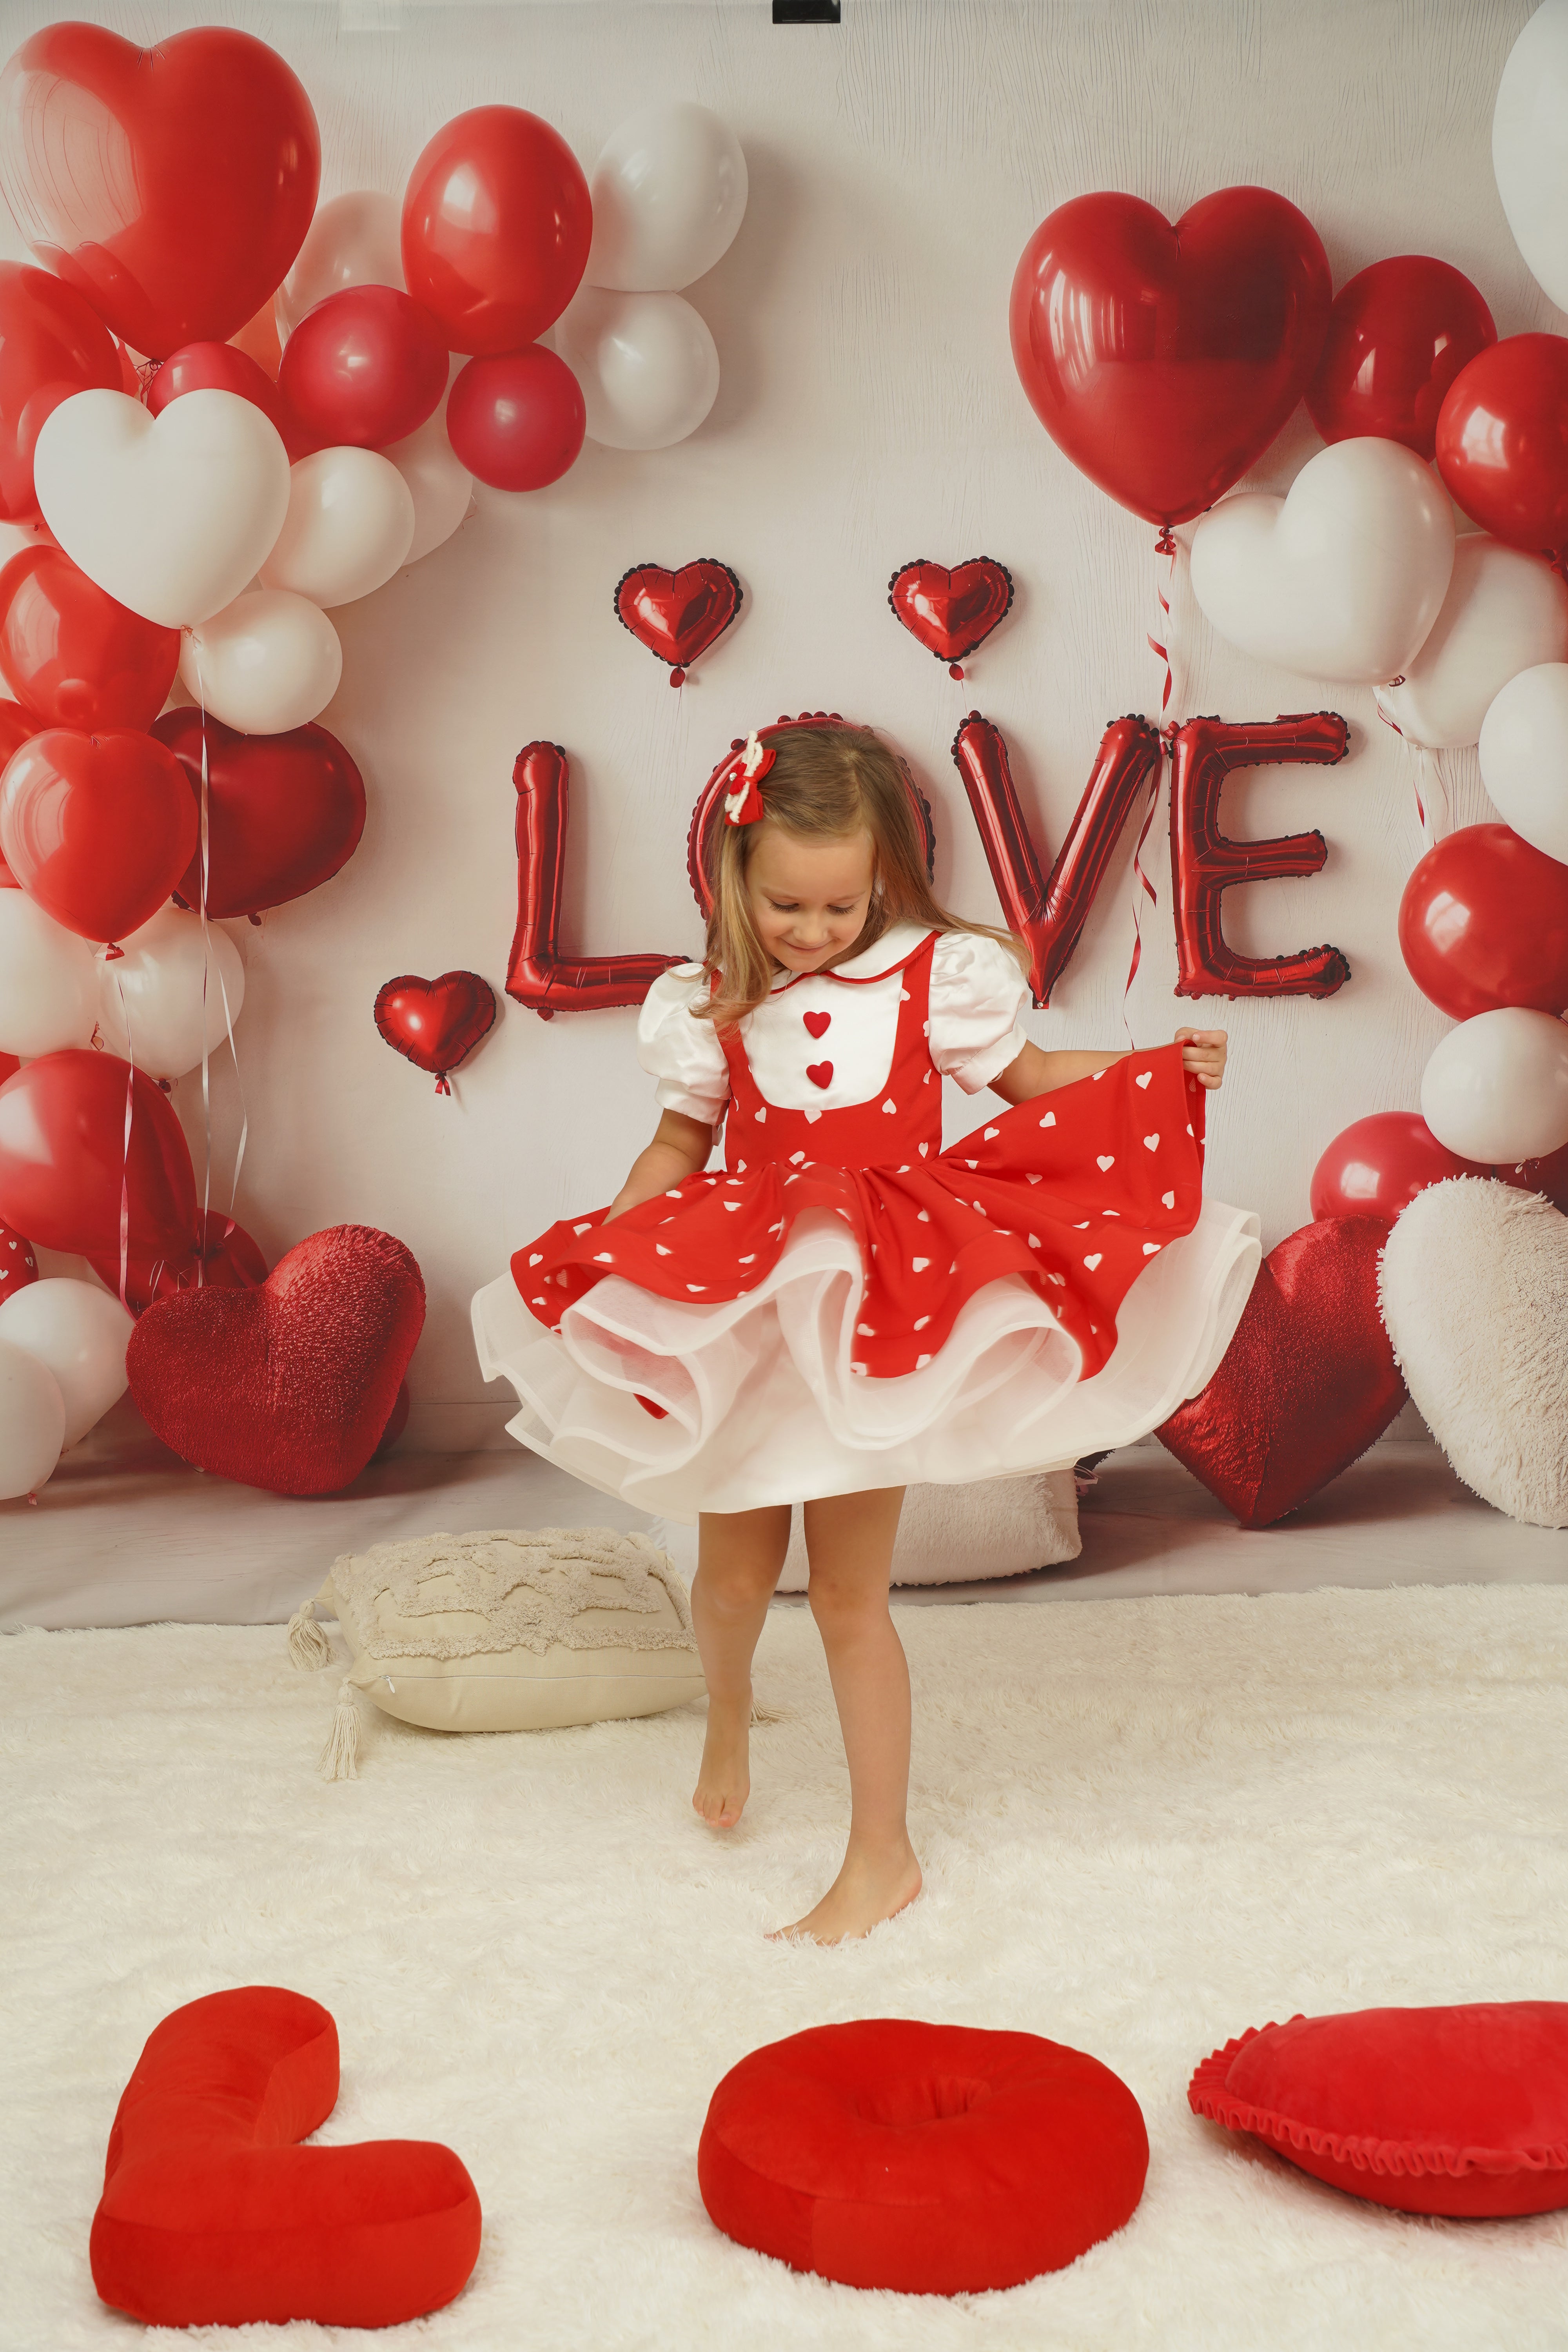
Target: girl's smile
(810,899)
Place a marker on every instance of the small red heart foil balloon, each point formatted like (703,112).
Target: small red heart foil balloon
(284,812)
(1163,360)
(435,1024)
(97,828)
(18,1266)
(1308,1383)
(678,614)
(952,614)
(290,1385)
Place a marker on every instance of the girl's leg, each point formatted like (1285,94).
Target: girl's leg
(849,1538)
(739,1557)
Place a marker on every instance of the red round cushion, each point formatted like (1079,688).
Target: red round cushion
(936,2159)
(1460,2110)
(211,2216)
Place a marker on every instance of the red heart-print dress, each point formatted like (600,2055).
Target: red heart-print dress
(846,1305)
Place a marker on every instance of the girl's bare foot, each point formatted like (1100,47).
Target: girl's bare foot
(723,1776)
(870,1887)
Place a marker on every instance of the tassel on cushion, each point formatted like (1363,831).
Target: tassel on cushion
(340,1756)
(308,1645)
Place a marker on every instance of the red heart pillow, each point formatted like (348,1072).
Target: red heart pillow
(1461,2110)
(1307,1382)
(212,2217)
(288,1386)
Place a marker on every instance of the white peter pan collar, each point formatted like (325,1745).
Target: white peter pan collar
(881,960)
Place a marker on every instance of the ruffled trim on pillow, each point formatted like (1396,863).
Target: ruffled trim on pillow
(1397,2159)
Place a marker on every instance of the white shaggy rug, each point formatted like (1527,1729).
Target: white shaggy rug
(1145,1824)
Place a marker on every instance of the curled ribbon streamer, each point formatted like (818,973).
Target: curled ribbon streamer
(1165,545)
(125,1149)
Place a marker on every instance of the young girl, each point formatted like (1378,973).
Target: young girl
(848,1307)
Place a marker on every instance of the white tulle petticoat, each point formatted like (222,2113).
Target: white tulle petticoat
(761,1405)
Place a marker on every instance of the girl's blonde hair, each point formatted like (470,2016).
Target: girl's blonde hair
(825,783)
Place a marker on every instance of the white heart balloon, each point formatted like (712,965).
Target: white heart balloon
(172,514)
(49,986)
(80,1333)
(670,191)
(169,991)
(1529,147)
(349,527)
(647,366)
(354,240)
(1496,1089)
(438,482)
(267,662)
(1504,612)
(1342,578)
(32,1423)
(1524,757)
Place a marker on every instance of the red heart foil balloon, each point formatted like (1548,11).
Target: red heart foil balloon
(435,1024)
(1165,359)
(288,1386)
(1307,1382)
(97,828)
(952,614)
(284,812)
(72,654)
(678,614)
(172,186)
(1502,442)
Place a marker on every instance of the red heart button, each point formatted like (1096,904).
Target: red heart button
(435,1023)
(1307,1382)
(816,1022)
(819,1073)
(951,613)
(678,614)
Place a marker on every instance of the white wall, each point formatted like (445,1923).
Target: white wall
(869,414)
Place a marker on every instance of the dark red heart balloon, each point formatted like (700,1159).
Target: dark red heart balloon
(97,828)
(1484,923)
(1398,334)
(52,344)
(172,186)
(435,1023)
(1502,442)
(72,654)
(66,1174)
(678,614)
(1165,359)
(1307,1382)
(287,1386)
(951,613)
(228,1260)
(284,812)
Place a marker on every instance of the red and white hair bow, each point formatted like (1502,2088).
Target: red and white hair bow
(743,803)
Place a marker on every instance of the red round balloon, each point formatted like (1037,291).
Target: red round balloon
(1484,923)
(222,367)
(1502,442)
(98,829)
(363,368)
(284,812)
(1165,359)
(1375,1168)
(171,187)
(75,656)
(52,345)
(64,1161)
(517,421)
(496,223)
(1398,334)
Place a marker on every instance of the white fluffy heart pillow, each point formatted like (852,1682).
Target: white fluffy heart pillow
(1474,1290)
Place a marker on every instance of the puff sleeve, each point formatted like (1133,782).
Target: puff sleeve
(683,1054)
(977,993)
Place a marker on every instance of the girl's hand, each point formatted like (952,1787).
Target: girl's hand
(1203,1053)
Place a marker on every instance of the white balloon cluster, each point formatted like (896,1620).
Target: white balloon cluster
(62,1365)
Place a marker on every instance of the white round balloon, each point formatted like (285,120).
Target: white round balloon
(670,190)
(1497,1088)
(32,1423)
(1529,147)
(270,661)
(166,992)
(1504,612)
(349,527)
(647,366)
(354,240)
(1341,579)
(80,1333)
(1524,757)
(438,482)
(171,514)
(48,987)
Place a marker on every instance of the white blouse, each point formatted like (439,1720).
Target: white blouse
(977,993)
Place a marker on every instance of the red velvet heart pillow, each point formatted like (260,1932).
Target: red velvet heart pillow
(288,1386)
(1459,2111)
(1307,1383)
(211,2215)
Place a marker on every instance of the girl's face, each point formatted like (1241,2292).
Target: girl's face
(808,899)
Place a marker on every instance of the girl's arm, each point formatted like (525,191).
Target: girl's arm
(680,1148)
(1034,1072)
